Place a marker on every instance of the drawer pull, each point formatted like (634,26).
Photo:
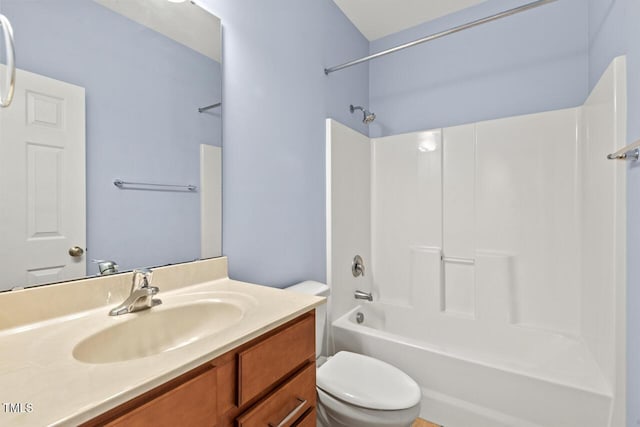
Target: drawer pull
(291,414)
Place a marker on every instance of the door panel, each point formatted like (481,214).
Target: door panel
(42,182)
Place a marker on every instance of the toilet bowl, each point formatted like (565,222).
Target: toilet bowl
(359,391)
(355,390)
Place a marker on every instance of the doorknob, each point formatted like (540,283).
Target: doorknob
(76,251)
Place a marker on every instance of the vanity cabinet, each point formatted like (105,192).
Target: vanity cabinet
(269,381)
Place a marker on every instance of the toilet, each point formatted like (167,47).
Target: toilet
(355,390)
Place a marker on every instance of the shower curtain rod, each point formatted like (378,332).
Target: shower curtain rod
(209,107)
(459,28)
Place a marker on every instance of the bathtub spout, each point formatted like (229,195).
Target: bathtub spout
(363,295)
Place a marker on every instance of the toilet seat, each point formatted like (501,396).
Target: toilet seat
(333,412)
(367,382)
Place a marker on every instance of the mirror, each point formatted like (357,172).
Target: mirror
(109,90)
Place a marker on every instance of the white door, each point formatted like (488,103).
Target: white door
(42,182)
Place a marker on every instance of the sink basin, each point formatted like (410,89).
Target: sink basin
(157,330)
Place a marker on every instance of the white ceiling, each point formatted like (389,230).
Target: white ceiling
(379,18)
(185,22)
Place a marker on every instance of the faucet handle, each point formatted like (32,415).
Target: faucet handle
(141,278)
(357,266)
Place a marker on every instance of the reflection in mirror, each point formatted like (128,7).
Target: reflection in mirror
(109,90)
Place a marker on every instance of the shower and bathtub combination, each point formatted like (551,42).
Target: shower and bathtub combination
(495,254)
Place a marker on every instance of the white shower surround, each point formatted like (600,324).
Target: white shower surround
(529,301)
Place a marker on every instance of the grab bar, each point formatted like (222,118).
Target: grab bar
(7,30)
(453,260)
(121,184)
(630,152)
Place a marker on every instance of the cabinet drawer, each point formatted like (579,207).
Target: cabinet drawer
(192,403)
(266,363)
(287,404)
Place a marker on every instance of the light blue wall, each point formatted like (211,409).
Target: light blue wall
(614,29)
(142,122)
(531,62)
(276,99)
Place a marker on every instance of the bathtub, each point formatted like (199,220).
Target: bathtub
(472,375)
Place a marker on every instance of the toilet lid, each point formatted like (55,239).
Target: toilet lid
(367,382)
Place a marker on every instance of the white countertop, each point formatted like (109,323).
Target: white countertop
(37,366)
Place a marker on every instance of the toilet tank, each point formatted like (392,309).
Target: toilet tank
(319,289)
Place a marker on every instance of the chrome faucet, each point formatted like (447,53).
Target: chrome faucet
(363,295)
(105,266)
(141,297)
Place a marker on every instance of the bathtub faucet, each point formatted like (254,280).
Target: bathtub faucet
(363,295)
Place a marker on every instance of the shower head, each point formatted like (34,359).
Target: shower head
(367,116)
